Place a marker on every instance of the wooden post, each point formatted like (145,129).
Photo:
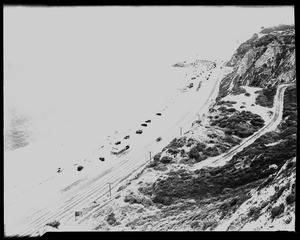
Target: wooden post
(150,156)
(180,130)
(109,189)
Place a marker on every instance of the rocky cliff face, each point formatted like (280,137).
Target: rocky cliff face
(267,59)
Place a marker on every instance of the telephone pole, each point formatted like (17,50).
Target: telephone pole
(180,130)
(109,189)
(150,156)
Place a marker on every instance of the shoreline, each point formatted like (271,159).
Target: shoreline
(91,162)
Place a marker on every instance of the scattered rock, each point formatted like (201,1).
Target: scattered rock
(273,166)
(191,201)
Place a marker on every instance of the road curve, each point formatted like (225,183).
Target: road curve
(64,208)
(222,159)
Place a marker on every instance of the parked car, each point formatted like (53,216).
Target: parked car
(158,114)
(126,137)
(139,132)
(117,143)
(148,121)
(144,124)
(158,139)
(102,159)
(79,168)
(127,147)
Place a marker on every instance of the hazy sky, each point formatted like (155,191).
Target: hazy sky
(74,46)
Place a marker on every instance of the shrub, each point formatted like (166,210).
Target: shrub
(231,110)
(289,131)
(290,198)
(233,201)
(173,151)
(258,122)
(200,147)
(157,157)
(193,153)
(228,132)
(54,224)
(232,140)
(254,212)
(222,109)
(195,224)
(165,200)
(277,210)
(166,159)
(160,167)
(111,220)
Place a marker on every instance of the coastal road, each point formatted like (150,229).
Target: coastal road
(63,208)
(272,125)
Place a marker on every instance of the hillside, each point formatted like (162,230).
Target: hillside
(235,169)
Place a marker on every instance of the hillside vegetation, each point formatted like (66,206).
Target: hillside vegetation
(255,189)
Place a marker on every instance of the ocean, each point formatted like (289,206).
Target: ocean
(74,109)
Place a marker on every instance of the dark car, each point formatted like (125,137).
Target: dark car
(148,121)
(127,147)
(158,114)
(126,137)
(144,124)
(158,139)
(79,168)
(102,159)
(139,131)
(117,143)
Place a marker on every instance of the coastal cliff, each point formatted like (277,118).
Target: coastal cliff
(235,168)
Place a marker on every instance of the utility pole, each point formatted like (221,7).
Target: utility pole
(150,156)
(109,189)
(180,130)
